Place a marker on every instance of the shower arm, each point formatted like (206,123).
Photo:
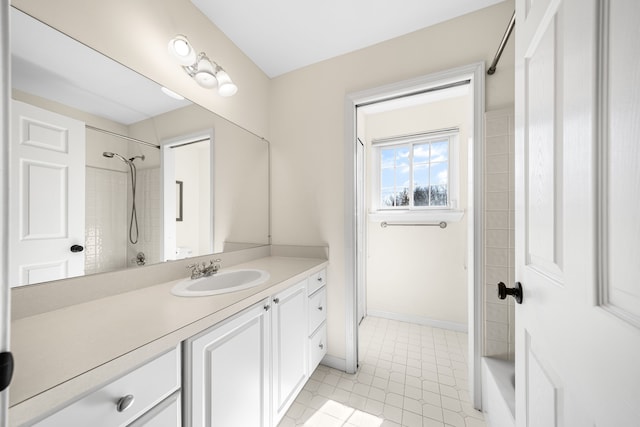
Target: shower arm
(505,38)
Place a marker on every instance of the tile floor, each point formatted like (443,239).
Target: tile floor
(410,375)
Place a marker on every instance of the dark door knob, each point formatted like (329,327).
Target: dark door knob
(77,248)
(515,292)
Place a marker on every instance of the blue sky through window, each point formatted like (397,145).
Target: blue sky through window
(415,171)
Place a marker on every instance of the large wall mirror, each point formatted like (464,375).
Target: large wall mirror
(96,153)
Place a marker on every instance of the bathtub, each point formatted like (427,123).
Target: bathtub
(498,392)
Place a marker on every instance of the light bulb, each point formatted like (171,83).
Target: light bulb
(204,74)
(226,87)
(181,50)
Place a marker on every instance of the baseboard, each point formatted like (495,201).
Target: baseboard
(334,362)
(443,324)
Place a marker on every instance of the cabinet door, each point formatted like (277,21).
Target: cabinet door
(289,347)
(229,372)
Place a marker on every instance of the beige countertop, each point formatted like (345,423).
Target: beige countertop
(64,353)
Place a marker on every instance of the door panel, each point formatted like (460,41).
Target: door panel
(543,216)
(43,190)
(577,210)
(47,195)
(620,229)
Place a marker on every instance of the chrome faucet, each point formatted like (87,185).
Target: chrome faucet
(203,269)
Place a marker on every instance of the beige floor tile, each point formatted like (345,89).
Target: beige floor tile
(410,376)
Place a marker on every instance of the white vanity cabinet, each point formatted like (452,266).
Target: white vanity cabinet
(317,316)
(248,370)
(227,371)
(289,347)
(128,398)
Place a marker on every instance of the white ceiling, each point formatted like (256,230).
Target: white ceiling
(284,35)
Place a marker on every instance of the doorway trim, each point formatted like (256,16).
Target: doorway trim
(475,73)
(167,174)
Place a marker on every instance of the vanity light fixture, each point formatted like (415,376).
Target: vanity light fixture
(204,71)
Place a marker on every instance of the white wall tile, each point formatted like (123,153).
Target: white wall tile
(497,331)
(497,201)
(497,182)
(497,257)
(496,220)
(493,275)
(497,145)
(497,239)
(497,163)
(499,233)
(496,125)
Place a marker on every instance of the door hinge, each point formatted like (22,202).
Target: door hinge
(6,369)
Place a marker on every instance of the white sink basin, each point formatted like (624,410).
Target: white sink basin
(220,283)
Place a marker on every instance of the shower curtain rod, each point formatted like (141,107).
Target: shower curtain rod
(128,138)
(505,38)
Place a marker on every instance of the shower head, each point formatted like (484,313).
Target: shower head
(111,155)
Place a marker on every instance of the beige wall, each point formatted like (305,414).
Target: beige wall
(240,171)
(136,33)
(307,129)
(302,112)
(419,273)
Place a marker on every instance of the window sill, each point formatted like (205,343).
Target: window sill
(447,215)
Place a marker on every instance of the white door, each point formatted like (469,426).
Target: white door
(46,196)
(578,213)
(289,347)
(5,91)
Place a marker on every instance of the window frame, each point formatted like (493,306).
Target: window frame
(380,212)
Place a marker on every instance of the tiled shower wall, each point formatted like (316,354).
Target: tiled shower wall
(149,209)
(105,220)
(499,315)
(108,210)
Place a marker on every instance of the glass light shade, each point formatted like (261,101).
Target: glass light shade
(171,93)
(181,50)
(225,86)
(204,74)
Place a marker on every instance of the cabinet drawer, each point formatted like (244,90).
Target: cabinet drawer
(317,280)
(317,347)
(317,309)
(148,384)
(165,414)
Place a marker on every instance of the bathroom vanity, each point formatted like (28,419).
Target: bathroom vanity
(148,357)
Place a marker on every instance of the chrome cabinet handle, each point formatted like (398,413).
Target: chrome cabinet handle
(320,308)
(276,300)
(267,307)
(319,279)
(515,292)
(125,403)
(321,346)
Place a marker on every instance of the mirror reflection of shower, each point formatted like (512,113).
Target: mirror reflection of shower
(133,222)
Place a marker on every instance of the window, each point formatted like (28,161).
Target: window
(415,173)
